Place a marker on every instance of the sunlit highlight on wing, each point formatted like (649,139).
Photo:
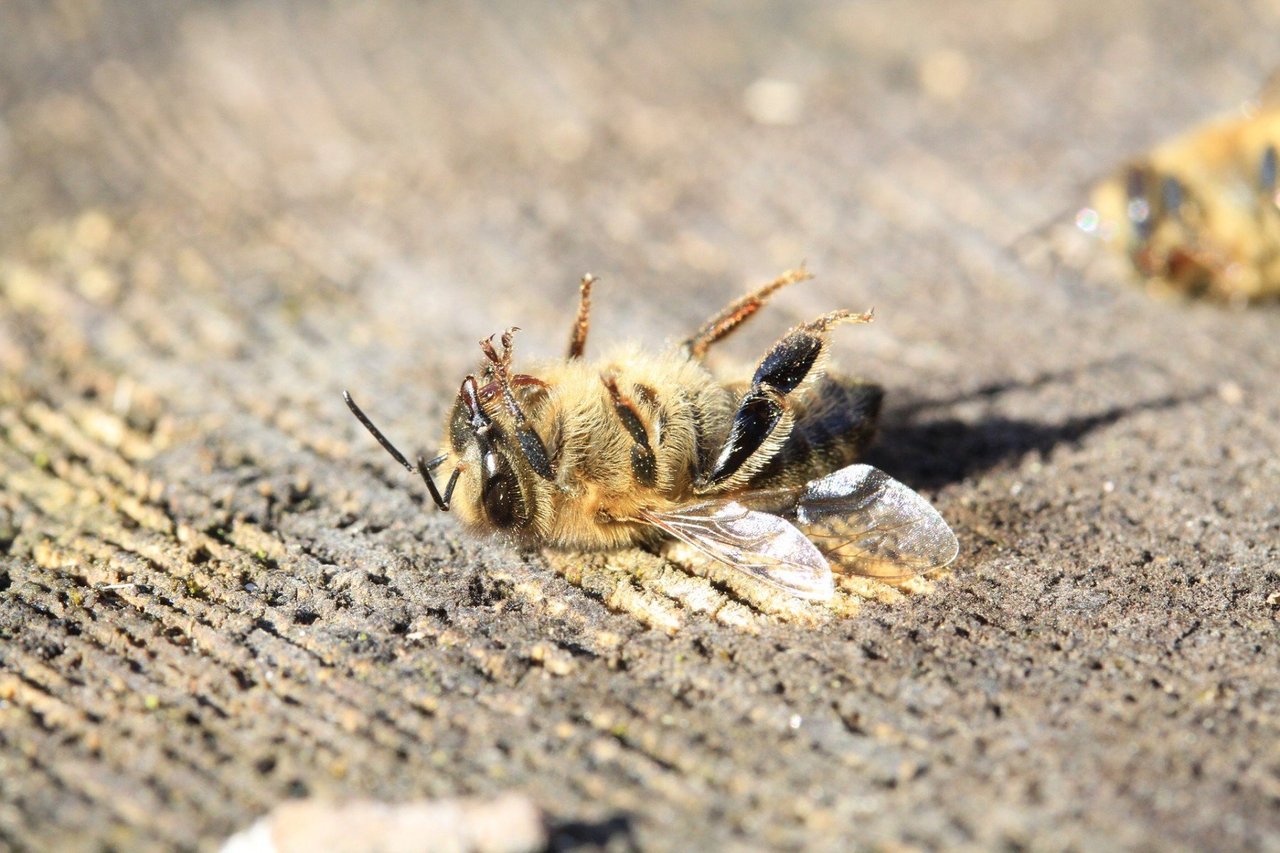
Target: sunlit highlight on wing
(869,524)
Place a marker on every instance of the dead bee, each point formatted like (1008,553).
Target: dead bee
(642,447)
(1200,214)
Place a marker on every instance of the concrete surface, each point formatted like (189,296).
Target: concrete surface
(219,594)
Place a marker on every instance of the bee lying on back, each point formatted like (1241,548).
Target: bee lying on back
(639,448)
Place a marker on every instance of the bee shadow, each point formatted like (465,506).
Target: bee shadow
(932,452)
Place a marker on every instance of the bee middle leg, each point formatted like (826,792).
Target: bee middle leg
(764,418)
(582,322)
(644,465)
(736,313)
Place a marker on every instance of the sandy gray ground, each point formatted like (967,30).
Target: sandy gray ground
(219,594)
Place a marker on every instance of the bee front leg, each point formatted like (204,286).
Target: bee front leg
(531,446)
(764,419)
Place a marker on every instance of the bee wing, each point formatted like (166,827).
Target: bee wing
(762,545)
(869,524)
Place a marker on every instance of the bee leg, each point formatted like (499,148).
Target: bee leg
(519,380)
(1267,170)
(531,446)
(764,419)
(736,312)
(1172,197)
(644,465)
(578,336)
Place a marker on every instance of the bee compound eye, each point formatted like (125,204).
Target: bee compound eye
(500,492)
(460,431)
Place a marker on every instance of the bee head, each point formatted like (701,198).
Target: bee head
(501,467)
(500,456)
(502,470)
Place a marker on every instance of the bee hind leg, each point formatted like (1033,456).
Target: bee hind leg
(764,418)
(736,313)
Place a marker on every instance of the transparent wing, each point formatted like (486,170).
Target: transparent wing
(869,524)
(763,546)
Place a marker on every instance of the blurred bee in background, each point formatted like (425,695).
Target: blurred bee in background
(1200,214)
(641,447)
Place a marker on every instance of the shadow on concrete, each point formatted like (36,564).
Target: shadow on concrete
(929,452)
(613,833)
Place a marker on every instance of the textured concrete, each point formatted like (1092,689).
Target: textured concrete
(218,593)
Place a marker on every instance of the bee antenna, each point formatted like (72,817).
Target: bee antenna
(377,433)
(424,467)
